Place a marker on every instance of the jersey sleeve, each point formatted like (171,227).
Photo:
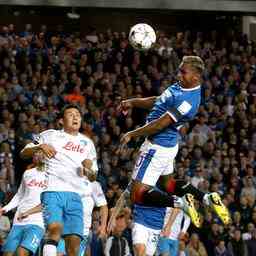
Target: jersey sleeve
(98,195)
(176,108)
(17,197)
(43,137)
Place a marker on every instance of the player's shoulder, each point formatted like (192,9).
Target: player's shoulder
(49,132)
(29,172)
(85,139)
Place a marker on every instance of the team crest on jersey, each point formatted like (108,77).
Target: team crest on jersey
(184,107)
(83,142)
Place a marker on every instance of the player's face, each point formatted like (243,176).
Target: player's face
(187,76)
(72,119)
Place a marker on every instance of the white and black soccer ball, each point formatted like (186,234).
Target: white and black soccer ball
(142,36)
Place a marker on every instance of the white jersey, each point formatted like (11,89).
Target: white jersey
(33,183)
(96,198)
(63,168)
(180,224)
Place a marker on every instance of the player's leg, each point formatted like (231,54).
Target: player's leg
(151,162)
(22,252)
(83,246)
(182,187)
(52,213)
(72,243)
(152,242)
(61,251)
(174,247)
(13,240)
(73,223)
(31,239)
(163,246)
(139,239)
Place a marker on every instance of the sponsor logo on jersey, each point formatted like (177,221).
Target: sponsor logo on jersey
(70,146)
(35,183)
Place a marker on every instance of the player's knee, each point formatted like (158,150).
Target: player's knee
(22,252)
(140,250)
(138,191)
(54,231)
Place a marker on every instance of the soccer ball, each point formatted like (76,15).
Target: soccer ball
(142,36)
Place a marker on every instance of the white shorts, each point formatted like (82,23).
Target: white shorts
(154,161)
(147,236)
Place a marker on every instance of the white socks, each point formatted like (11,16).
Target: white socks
(49,250)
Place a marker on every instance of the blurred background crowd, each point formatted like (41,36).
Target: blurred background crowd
(41,71)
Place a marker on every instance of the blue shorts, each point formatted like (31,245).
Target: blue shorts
(65,208)
(83,245)
(61,247)
(26,236)
(166,245)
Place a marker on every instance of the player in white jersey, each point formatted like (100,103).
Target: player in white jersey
(26,233)
(95,198)
(67,151)
(176,225)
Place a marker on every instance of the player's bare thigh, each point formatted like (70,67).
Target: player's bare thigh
(137,190)
(139,249)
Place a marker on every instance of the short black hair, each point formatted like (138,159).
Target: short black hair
(68,106)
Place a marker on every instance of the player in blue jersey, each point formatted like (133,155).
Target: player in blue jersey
(147,224)
(177,105)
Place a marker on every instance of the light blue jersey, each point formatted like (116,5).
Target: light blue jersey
(181,104)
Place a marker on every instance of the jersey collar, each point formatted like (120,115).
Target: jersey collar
(190,89)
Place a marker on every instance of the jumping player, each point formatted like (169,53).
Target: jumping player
(67,151)
(177,105)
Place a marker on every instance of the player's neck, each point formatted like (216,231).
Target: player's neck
(71,132)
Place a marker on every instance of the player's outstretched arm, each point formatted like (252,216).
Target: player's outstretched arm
(146,103)
(148,129)
(120,204)
(103,221)
(32,148)
(167,228)
(15,200)
(33,210)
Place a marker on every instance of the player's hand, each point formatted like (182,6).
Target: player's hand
(126,138)
(111,224)
(48,150)
(183,236)
(22,216)
(165,232)
(123,141)
(124,106)
(101,231)
(2,211)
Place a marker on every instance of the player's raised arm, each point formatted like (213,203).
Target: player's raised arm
(146,103)
(148,129)
(40,143)
(167,228)
(32,148)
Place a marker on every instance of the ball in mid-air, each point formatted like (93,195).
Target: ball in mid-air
(142,36)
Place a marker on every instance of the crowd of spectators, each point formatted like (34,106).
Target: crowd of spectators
(41,71)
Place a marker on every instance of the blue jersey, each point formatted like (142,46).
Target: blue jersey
(181,104)
(151,217)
